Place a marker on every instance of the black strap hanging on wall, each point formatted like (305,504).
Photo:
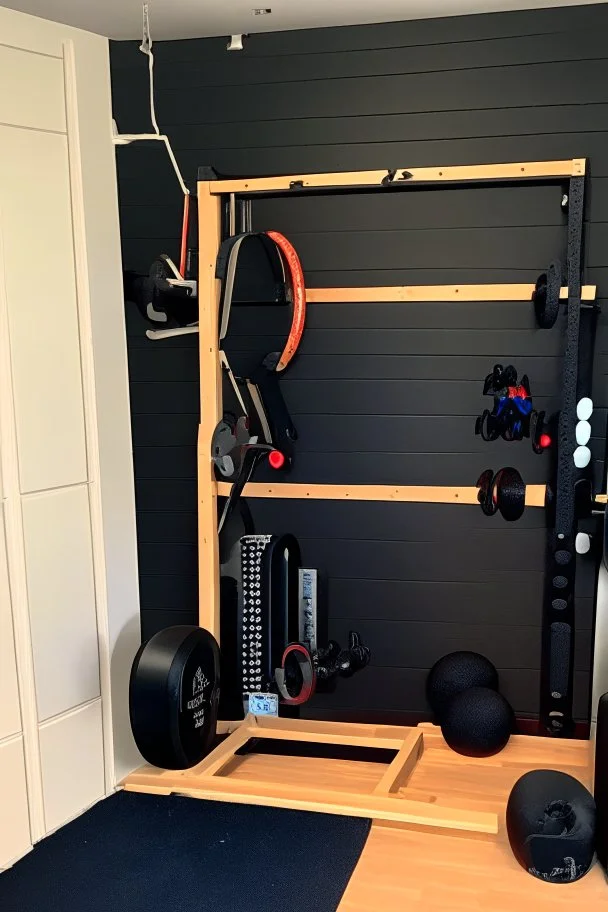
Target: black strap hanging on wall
(557,662)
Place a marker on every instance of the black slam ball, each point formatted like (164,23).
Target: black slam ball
(551,825)
(456,672)
(478,722)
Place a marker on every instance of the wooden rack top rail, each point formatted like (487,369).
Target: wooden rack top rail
(548,170)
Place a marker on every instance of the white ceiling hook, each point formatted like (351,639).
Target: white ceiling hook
(235,43)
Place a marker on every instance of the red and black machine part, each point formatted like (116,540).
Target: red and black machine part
(264,430)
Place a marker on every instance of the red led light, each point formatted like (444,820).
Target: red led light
(276,459)
(545,441)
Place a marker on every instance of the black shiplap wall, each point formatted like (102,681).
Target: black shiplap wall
(380,393)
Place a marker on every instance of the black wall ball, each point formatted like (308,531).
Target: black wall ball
(456,672)
(551,821)
(477,722)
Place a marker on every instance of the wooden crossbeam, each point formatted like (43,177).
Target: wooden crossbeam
(402,767)
(433,293)
(460,173)
(535,494)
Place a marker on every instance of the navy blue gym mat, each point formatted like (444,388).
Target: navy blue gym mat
(149,853)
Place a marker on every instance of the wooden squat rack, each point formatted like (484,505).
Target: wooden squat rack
(220,775)
(210,196)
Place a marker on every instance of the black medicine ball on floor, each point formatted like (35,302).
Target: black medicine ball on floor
(456,672)
(551,825)
(478,722)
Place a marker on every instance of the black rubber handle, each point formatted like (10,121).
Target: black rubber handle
(251,455)
(282,429)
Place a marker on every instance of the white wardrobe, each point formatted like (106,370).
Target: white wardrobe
(68,598)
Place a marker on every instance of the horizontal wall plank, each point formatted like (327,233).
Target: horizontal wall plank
(152,620)
(418,561)
(150,462)
(244,68)
(170,593)
(160,398)
(399,397)
(378,519)
(168,558)
(419,644)
(170,430)
(399,689)
(178,527)
(425,367)
(307,157)
(581,82)
(165,493)
(410,33)
(439,602)
(403,468)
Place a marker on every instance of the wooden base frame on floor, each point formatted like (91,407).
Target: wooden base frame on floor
(387,800)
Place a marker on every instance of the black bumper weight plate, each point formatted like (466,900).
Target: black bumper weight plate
(174,696)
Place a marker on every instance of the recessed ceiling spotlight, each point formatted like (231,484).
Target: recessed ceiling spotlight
(262,12)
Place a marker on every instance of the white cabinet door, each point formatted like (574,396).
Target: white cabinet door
(61,594)
(69,788)
(40,282)
(37,97)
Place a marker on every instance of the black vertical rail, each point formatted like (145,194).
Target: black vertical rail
(557,662)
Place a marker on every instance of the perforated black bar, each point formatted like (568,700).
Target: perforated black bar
(557,658)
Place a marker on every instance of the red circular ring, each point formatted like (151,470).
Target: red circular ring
(309,689)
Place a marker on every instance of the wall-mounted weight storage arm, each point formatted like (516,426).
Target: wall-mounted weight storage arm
(217,197)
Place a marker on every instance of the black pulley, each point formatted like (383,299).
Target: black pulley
(174,695)
(546,295)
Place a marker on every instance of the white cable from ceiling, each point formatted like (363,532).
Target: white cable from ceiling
(146,48)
